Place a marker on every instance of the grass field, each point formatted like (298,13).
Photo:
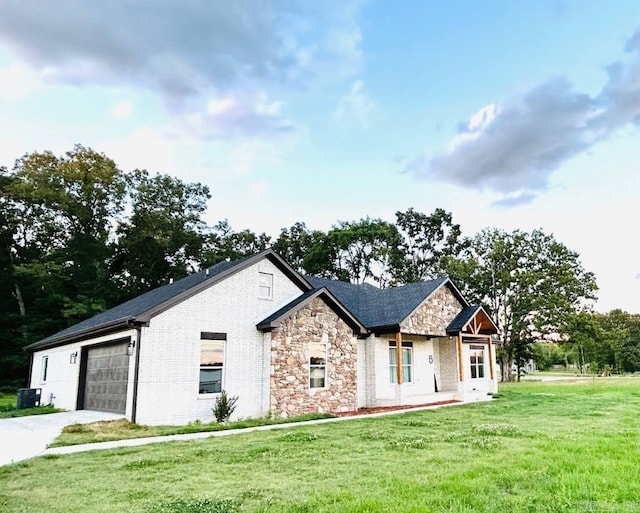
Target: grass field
(8,408)
(7,401)
(539,447)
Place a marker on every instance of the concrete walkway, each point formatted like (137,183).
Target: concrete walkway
(25,437)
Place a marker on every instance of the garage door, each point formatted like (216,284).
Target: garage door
(106,378)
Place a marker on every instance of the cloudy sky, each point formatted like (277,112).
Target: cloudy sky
(508,114)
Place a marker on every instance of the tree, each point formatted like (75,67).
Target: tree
(365,249)
(308,251)
(530,282)
(57,215)
(12,358)
(427,240)
(620,345)
(223,243)
(165,234)
(585,340)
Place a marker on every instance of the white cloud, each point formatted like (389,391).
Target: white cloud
(17,82)
(217,107)
(259,188)
(123,110)
(240,116)
(514,148)
(345,44)
(145,148)
(181,49)
(356,104)
(476,125)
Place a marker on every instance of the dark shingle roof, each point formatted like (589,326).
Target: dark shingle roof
(361,305)
(462,319)
(467,314)
(274,319)
(143,304)
(378,308)
(265,323)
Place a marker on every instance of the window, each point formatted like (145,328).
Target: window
(265,288)
(477,361)
(407,362)
(211,362)
(317,365)
(45,368)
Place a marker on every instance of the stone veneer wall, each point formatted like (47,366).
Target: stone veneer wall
(290,392)
(434,315)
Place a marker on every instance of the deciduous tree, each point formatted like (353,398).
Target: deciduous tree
(163,237)
(530,282)
(426,241)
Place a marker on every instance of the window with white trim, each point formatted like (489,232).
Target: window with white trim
(317,365)
(265,286)
(44,369)
(211,362)
(407,362)
(476,358)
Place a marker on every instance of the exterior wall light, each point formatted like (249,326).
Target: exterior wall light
(73,357)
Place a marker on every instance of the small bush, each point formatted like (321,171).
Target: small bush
(224,407)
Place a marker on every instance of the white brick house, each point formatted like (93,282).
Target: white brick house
(284,343)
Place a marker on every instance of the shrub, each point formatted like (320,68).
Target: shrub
(224,407)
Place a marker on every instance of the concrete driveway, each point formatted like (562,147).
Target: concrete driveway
(25,437)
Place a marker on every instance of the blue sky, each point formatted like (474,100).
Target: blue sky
(508,114)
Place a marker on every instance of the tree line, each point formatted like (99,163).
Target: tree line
(78,236)
(595,343)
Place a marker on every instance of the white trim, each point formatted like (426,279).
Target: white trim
(311,366)
(268,286)
(44,369)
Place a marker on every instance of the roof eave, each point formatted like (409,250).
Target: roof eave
(333,302)
(103,329)
(387,328)
(478,309)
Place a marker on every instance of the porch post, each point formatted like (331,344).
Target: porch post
(399,358)
(460,362)
(490,358)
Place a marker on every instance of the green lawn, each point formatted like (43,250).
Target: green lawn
(539,447)
(8,408)
(7,401)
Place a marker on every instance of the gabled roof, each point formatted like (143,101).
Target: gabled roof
(141,308)
(466,316)
(382,309)
(274,320)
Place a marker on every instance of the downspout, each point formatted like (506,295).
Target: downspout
(491,371)
(136,372)
(460,362)
(30,370)
(265,364)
